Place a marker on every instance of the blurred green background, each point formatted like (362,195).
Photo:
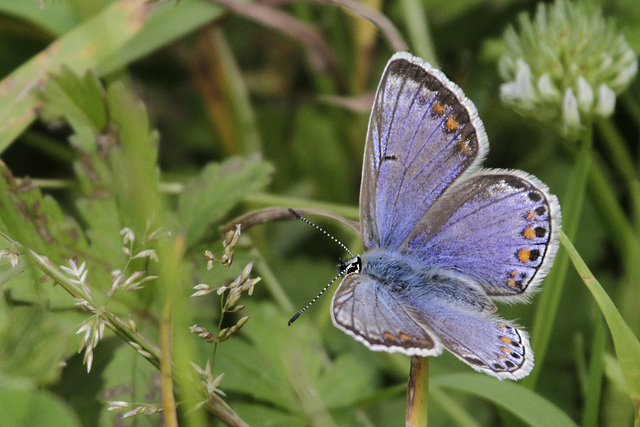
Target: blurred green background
(195,112)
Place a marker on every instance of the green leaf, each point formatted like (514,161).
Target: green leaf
(283,366)
(33,342)
(134,159)
(547,307)
(319,152)
(515,398)
(338,393)
(38,222)
(224,90)
(80,100)
(263,416)
(129,377)
(54,17)
(168,21)
(256,368)
(625,342)
(103,228)
(219,188)
(35,408)
(83,47)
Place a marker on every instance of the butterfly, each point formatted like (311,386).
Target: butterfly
(442,237)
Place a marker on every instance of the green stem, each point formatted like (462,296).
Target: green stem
(222,311)
(271,281)
(624,236)
(547,306)
(264,199)
(113,322)
(418,29)
(594,380)
(631,103)
(418,393)
(259,199)
(617,149)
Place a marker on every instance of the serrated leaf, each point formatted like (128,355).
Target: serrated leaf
(37,221)
(80,100)
(133,159)
(35,408)
(218,189)
(249,372)
(103,228)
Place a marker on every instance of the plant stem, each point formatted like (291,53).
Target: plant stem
(418,393)
(544,321)
(614,143)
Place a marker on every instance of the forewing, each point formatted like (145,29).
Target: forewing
(423,134)
(498,228)
(365,309)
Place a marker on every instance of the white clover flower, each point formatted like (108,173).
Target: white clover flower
(570,113)
(606,100)
(569,62)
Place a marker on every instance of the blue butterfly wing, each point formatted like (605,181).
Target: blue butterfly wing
(440,238)
(446,310)
(498,228)
(366,309)
(483,341)
(423,134)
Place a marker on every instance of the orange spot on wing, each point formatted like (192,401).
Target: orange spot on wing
(529,233)
(524,254)
(505,350)
(511,283)
(405,337)
(438,108)
(514,273)
(452,124)
(506,340)
(389,336)
(530,215)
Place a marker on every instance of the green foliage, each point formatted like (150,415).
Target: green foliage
(134,131)
(217,189)
(22,408)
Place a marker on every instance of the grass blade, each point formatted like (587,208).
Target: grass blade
(82,48)
(625,342)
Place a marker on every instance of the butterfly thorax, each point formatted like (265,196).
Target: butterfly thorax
(399,272)
(391,268)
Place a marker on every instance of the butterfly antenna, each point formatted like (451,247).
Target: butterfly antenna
(303,219)
(344,271)
(295,316)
